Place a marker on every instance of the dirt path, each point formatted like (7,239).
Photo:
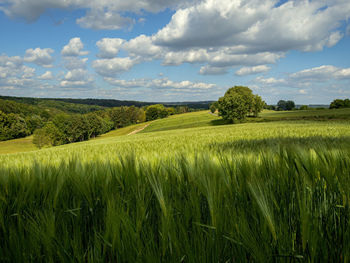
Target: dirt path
(138,130)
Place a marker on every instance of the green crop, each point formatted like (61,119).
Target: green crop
(254,192)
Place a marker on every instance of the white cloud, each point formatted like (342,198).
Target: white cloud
(46,76)
(41,57)
(104,14)
(208,70)
(104,20)
(162,83)
(74,48)
(321,74)
(14,74)
(249,33)
(74,63)
(342,73)
(270,81)
(252,70)
(253,26)
(114,66)
(77,78)
(309,78)
(143,46)
(109,47)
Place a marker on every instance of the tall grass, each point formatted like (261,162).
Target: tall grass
(274,192)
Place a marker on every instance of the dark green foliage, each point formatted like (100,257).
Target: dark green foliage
(233,108)
(338,104)
(23,110)
(270,107)
(288,205)
(258,105)
(124,116)
(238,102)
(285,105)
(157,111)
(49,135)
(69,128)
(12,126)
(212,108)
(64,104)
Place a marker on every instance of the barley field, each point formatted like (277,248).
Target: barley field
(254,192)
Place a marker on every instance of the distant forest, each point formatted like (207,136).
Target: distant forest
(61,121)
(109,103)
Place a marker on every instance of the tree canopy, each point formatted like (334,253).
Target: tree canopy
(239,102)
(338,104)
(156,111)
(285,105)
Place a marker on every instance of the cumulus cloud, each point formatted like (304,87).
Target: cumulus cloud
(46,76)
(104,14)
(109,47)
(14,74)
(74,48)
(252,70)
(143,46)
(114,66)
(250,25)
(248,33)
(38,56)
(77,78)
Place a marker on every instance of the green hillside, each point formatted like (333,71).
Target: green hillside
(193,120)
(184,189)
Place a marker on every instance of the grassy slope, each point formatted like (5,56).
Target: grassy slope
(325,114)
(26,144)
(187,120)
(191,120)
(242,139)
(17,145)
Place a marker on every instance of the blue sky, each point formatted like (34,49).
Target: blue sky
(179,50)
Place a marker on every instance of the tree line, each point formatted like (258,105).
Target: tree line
(55,124)
(88,105)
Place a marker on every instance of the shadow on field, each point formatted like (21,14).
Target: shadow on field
(219,122)
(257,145)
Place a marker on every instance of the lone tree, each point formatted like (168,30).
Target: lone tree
(238,102)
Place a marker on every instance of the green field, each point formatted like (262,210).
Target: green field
(185,189)
(17,145)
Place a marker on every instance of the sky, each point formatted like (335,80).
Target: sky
(175,50)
